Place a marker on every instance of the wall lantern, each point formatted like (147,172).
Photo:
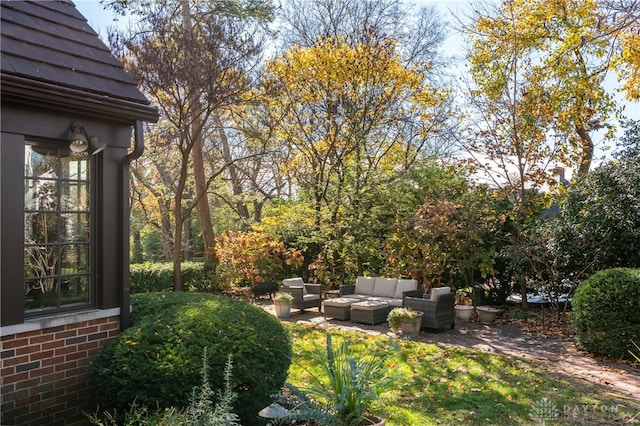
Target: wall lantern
(79,141)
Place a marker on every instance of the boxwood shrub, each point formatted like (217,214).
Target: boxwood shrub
(153,277)
(157,361)
(606,312)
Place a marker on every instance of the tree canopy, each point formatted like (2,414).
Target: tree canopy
(330,138)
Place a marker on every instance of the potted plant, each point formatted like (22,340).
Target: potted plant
(343,394)
(464,312)
(282,302)
(464,304)
(488,314)
(463,296)
(405,321)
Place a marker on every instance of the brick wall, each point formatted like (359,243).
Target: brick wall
(45,372)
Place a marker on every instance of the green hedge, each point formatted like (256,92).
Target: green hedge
(154,277)
(606,312)
(157,361)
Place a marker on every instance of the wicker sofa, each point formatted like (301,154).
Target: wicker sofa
(305,295)
(437,308)
(389,290)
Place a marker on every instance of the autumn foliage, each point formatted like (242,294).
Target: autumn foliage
(253,257)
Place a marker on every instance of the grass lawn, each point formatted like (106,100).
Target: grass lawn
(445,386)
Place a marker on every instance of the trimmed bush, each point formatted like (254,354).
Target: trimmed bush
(153,277)
(157,361)
(606,312)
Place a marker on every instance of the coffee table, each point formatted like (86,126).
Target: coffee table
(370,312)
(338,308)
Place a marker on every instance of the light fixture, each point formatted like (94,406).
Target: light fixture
(79,141)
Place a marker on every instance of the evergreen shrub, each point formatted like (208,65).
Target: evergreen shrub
(157,361)
(154,277)
(606,312)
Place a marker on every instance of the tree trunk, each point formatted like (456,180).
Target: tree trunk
(137,247)
(587,150)
(188,238)
(236,185)
(203,208)
(177,244)
(166,232)
(257,211)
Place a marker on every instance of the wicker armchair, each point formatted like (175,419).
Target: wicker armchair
(437,313)
(305,295)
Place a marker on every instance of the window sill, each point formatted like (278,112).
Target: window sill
(58,320)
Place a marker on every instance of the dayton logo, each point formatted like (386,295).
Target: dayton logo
(544,410)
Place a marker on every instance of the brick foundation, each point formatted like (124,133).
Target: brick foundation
(45,372)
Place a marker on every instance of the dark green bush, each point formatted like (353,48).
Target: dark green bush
(598,226)
(157,361)
(153,277)
(606,312)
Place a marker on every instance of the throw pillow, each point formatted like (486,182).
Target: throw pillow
(436,292)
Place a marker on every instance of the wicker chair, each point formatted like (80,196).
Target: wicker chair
(305,295)
(437,313)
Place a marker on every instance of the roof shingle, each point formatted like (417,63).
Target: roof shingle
(51,42)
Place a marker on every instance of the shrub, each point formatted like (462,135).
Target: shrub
(201,410)
(156,361)
(598,226)
(153,277)
(606,312)
(256,256)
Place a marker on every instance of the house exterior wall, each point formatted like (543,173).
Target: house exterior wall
(110,202)
(45,363)
(45,360)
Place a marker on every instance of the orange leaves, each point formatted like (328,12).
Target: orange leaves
(256,256)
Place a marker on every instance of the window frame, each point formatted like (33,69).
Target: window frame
(61,150)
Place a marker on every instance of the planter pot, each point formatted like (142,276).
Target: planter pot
(411,327)
(283,308)
(373,421)
(487,314)
(464,312)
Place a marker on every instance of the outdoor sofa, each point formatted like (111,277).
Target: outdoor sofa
(391,291)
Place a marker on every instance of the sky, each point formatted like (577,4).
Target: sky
(97,17)
(101,19)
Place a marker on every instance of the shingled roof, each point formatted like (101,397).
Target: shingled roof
(51,55)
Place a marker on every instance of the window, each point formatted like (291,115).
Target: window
(57,229)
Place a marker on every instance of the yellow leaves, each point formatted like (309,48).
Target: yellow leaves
(333,67)
(544,61)
(629,69)
(333,100)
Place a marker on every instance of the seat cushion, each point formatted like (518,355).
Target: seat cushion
(339,302)
(356,297)
(307,297)
(405,285)
(388,300)
(369,305)
(295,282)
(385,287)
(436,292)
(395,303)
(364,285)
